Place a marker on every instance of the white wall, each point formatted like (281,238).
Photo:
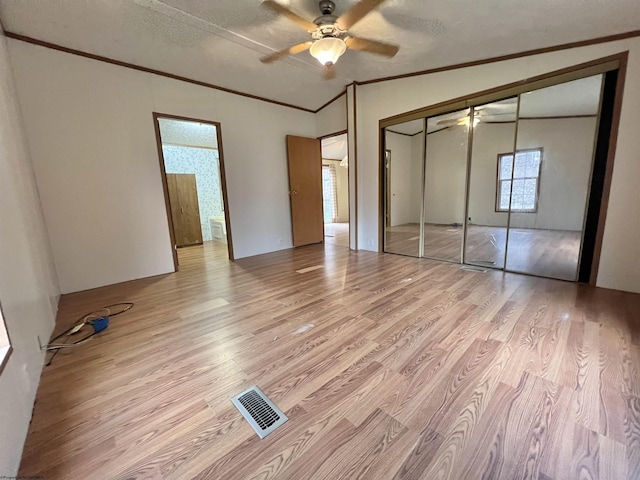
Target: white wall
(332,118)
(92,141)
(620,259)
(28,285)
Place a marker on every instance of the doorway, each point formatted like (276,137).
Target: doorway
(508,182)
(335,189)
(194,184)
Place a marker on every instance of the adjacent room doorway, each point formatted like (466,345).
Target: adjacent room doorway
(335,189)
(305,189)
(319,189)
(194,184)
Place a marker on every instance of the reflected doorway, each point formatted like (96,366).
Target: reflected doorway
(404,153)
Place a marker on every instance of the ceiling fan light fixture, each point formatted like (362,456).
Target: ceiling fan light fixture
(466,121)
(328,50)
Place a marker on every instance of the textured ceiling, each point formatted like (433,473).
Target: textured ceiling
(335,148)
(220,41)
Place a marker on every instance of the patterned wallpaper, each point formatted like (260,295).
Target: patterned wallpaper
(204,163)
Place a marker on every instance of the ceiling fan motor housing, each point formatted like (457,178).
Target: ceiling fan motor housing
(327,19)
(327,7)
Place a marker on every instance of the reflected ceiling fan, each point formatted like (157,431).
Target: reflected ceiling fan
(329,34)
(504,107)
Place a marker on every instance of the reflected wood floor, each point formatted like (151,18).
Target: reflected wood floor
(407,368)
(548,253)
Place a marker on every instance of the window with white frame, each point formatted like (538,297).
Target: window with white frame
(522,195)
(329,194)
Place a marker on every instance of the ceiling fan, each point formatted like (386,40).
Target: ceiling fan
(504,107)
(329,34)
(466,119)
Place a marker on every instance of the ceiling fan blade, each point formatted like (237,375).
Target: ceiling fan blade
(489,114)
(301,47)
(449,122)
(294,17)
(357,13)
(371,46)
(329,71)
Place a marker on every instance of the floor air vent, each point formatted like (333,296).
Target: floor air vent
(483,262)
(473,269)
(263,416)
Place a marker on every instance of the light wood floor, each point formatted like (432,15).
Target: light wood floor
(337,234)
(548,253)
(407,368)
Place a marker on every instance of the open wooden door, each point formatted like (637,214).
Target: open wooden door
(185,211)
(305,189)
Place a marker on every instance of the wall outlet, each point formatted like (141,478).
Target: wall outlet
(371,242)
(279,241)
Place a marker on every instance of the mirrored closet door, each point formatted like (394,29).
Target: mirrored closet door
(493,134)
(503,184)
(551,177)
(404,166)
(444,187)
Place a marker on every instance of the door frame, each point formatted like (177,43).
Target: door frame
(387,193)
(598,66)
(165,188)
(352,221)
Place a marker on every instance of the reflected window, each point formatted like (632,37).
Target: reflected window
(523,196)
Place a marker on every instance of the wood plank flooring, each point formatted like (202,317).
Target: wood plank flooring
(405,369)
(547,253)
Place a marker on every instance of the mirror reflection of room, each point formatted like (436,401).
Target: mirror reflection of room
(445,175)
(506,183)
(335,189)
(551,178)
(403,166)
(493,135)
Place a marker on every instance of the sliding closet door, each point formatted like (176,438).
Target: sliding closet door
(445,177)
(404,162)
(551,170)
(494,134)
